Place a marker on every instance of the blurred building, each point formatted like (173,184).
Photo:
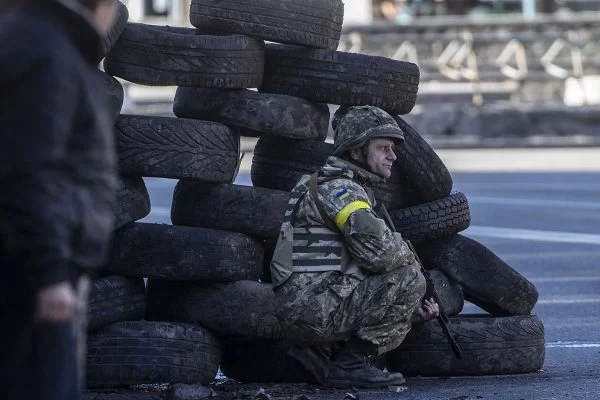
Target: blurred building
(176,12)
(403,11)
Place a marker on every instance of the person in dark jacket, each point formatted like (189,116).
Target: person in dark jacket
(57,182)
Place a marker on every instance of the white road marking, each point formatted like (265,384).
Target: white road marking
(532,234)
(561,186)
(570,323)
(550,254)
(520,160)
(566,279)
(555,300)
(570,300)
(572,344)
(505,201)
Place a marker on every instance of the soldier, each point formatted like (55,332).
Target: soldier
(346,285)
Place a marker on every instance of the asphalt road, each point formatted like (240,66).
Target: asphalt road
(538,210)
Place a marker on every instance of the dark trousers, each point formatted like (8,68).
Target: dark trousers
(38,361)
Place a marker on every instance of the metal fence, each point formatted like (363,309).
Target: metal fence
(511,50)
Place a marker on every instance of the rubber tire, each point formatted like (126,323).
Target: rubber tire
(487,281)
(259,360)
(450,293)
(490,346)
(396,194)
(278,163)
(177,148)
(269,251)
(116,29)
(337,77)
(311,23)
(242,308)
(421,166)
(434,220)
(183,253)
(139,352)
(175,56)
(251,210)
(132,202)
(263,113)
(115,298)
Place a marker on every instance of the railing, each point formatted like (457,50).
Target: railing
(490,50)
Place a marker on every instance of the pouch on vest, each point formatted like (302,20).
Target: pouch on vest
(282,256)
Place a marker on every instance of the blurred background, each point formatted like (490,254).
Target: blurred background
(480,60)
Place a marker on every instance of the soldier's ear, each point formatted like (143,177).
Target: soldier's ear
(356,154)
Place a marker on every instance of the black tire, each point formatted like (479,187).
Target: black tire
(132,202)
(490,346)
(269,251)
(115,92)
(251,210)
(450,292)
(170,56)
(183,253)
(487,281)
(434,220)
(177,148)
(421,166)
(311,23)
(242,308)
(396,194)
(115,298)
(272,114)
(278,163)
(116,29)
(337,77)
(259,360)
(138,352)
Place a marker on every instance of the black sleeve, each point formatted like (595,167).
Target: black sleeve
(37,211)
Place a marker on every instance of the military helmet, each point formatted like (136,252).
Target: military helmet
(359,124)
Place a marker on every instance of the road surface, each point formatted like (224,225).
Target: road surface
(538,210)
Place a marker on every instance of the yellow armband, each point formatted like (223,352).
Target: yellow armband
(342,217)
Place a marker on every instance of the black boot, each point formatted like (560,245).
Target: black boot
(351,368)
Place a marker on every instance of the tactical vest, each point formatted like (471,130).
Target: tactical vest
(315,248)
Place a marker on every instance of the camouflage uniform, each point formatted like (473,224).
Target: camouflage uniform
(369,285)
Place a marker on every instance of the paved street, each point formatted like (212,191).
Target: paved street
(539,210)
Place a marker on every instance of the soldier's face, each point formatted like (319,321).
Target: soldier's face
(380,156)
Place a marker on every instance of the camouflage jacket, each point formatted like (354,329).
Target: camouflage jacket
(367,245)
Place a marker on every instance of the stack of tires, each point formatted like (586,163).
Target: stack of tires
(123,348)
(208,293)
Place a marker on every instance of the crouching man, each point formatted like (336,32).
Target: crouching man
(346,285)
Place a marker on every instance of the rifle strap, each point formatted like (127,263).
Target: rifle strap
(386,217)
(315,195)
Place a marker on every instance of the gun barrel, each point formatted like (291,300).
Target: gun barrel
(442,318)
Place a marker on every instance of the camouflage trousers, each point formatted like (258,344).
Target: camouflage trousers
(318,308)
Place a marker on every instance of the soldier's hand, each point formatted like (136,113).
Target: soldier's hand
(431,309)
(55,303)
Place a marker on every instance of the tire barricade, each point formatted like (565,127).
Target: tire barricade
(207,300)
